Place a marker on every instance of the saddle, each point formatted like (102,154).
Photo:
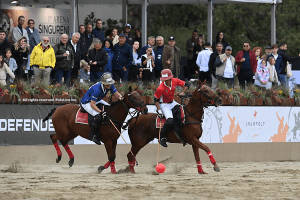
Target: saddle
(178,121)
(83,117)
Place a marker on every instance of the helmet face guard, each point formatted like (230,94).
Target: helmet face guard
(106,79)
(166,74)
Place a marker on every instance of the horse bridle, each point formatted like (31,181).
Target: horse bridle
(211,101)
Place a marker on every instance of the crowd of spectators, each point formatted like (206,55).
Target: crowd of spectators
(91,52)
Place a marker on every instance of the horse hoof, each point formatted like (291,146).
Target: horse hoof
(202,172)
(132,171)
(101,168)
(58,159)
(71,162)
(216,168)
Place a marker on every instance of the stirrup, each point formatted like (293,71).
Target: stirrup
(163,142)
(95,139)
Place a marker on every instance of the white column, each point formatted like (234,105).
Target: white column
(273,22)
(144,23)
(209,21)
(73,17)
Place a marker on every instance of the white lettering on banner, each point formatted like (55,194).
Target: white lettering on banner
(25,125)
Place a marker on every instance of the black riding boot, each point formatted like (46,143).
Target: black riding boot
(165,129)
(94,135)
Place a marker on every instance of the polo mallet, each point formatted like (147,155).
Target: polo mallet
(124,140)
(158,141)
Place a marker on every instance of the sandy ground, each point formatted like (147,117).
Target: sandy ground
(248,180)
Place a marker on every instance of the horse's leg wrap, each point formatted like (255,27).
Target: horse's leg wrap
(131,166)
(57,149)
(199,166)
(112,168)
(68,150)
(211,157)
(106,165)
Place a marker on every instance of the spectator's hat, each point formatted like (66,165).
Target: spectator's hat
(127,25)
(171,38)
(228,48)
(122,35)
(268,47)
(166,74)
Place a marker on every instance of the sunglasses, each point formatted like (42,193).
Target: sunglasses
(246,46)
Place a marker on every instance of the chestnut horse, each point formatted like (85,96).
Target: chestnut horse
(66,129)
(142,130)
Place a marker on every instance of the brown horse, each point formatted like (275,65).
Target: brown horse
(66,129)
(142,130)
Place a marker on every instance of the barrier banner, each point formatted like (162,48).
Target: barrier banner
(22,125)
(228,124)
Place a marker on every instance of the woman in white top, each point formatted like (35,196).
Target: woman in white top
(114,36)
(272,72)
(147,65)
(4,69)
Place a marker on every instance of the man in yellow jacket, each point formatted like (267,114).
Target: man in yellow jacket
(42,60)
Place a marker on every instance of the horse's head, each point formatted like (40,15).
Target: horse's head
(206,95)
(132,99)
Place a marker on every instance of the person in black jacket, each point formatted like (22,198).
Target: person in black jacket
(64,60)
(74,42)
(86,40)
(285,58)
(211,64)
(20,51)
(220,37)
(4,43)
(97,59)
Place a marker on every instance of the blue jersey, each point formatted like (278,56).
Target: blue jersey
(96,93)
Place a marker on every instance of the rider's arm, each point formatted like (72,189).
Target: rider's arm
(93,105)
(115,92)
(185,87)
(156,100)
(118,95)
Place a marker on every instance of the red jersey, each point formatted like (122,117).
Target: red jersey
(167,93)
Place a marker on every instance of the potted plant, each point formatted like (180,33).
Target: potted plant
(225,94)
(14,94)
(3,93)
(297,97)
(148,95)
(284,96)
(42,96)
(273,96)
(255,99)
(59,94)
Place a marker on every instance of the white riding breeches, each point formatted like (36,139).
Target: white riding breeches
(90,110)
(167,109)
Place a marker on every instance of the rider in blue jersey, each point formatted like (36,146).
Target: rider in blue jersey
(94,96)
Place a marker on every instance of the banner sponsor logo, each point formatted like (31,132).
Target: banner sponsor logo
(26,125)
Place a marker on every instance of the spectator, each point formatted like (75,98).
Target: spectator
(138,36)
(278,60)
(81,29)
(20,51)
(133,70)
(151,43)
(202,36)
(114,36)
(11,63)
(4,43)
(86,40)
(4,69)
(199,46)
(19,31)
(122,59)
(273,77)
(42,60)
(97,32)
(74,43)
(202,62)
(262,75)
(211,64)
(84,72)
(34,39)
(97,59)
(258,54)
(225,66)
(108,46)
(190,49)
(163,56)
(285,58)
(147,65)
(64,60)
(268,51)
(175,67)
(221,38)
(129,37)
(247,65)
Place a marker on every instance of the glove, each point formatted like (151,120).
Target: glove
(103,114)
(160,114)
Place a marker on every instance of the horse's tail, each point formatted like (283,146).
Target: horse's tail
(49,115)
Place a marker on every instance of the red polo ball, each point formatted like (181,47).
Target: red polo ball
(160,168)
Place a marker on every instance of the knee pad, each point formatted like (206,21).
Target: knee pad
(169,123)
(97,120)
(111,158)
